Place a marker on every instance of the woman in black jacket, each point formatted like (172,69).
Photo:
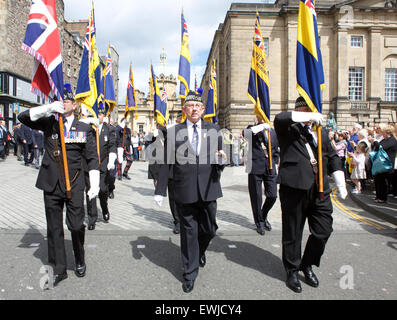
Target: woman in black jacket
(389,144)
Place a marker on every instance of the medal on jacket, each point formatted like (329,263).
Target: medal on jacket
(105,138)
(75,137)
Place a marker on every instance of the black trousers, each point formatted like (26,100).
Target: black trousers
(297,206)
(198,228)
(92,209)
(172,202)
(259,211)
(28,149)
(384,185)
(54,203)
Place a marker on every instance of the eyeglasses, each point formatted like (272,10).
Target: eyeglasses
(196,105)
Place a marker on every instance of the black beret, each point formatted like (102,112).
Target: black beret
(193,96)
(300,102)
(68,92)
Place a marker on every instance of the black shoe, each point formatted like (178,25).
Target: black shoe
(126,176)
(310,277)
(293,282)
(91,226)
(111,195)
(202,261)
(80,270)
(260,231)
(120,178)
(106,217)
(188,286)
(268,226)
(58,278)
(177,229)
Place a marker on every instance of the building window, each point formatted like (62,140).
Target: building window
(140,128)
(391,85)
(266,45)
(356,42)
(356,84)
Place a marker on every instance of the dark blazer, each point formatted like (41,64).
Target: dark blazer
(38,139)
(127,137)
(295,170)
(107,144)
(256,156)
(50,174)
(194,177)
(389,145)
(17,135)
(26,133)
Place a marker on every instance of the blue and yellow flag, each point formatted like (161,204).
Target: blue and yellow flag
(258,87)
(212,99)
(184,62)
(108,98)
(90,70)
(309,63)
(160,102)
(130,101)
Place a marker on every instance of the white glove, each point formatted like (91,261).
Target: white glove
(91,120)
(46,110)
(120,153)
(315,117)
(106,120)
(112,158)
(131,150)
(159,200)
(94,184)
(339,178)
(260,127)
(220,157)
(155,132)
(122,124)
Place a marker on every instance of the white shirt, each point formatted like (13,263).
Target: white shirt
(135,141)
(313,133)
(100,128)
(69,122)
(190,131)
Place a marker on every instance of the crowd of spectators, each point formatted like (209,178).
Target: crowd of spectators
(354,148)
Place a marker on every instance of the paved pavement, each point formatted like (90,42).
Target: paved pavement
(136,256)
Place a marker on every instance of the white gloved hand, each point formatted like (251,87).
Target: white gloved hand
(260,127)
(94,184)
(155,132)
(46,110)
(112,158)
(91,120)
(220,157)
(315,117)
(120,153)
(131,150)
(339,178)
(159,200)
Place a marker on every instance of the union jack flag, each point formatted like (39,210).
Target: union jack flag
(258,39)
(42,42)
(164,96)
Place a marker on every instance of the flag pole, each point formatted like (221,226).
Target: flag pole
(65,160)
(320,165)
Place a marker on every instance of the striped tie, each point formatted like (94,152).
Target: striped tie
(195,140)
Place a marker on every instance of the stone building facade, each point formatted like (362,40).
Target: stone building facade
(143,120)
(16,66)
(358,41)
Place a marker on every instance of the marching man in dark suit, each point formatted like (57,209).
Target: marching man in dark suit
(80,143)
(258,170)
(193,151)
(298,178)
(124,149)
(107,152)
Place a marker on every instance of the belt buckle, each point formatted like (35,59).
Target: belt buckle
(56,153)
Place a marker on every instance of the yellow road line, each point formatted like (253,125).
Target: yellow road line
(339,205)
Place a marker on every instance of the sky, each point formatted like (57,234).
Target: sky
(138,29)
